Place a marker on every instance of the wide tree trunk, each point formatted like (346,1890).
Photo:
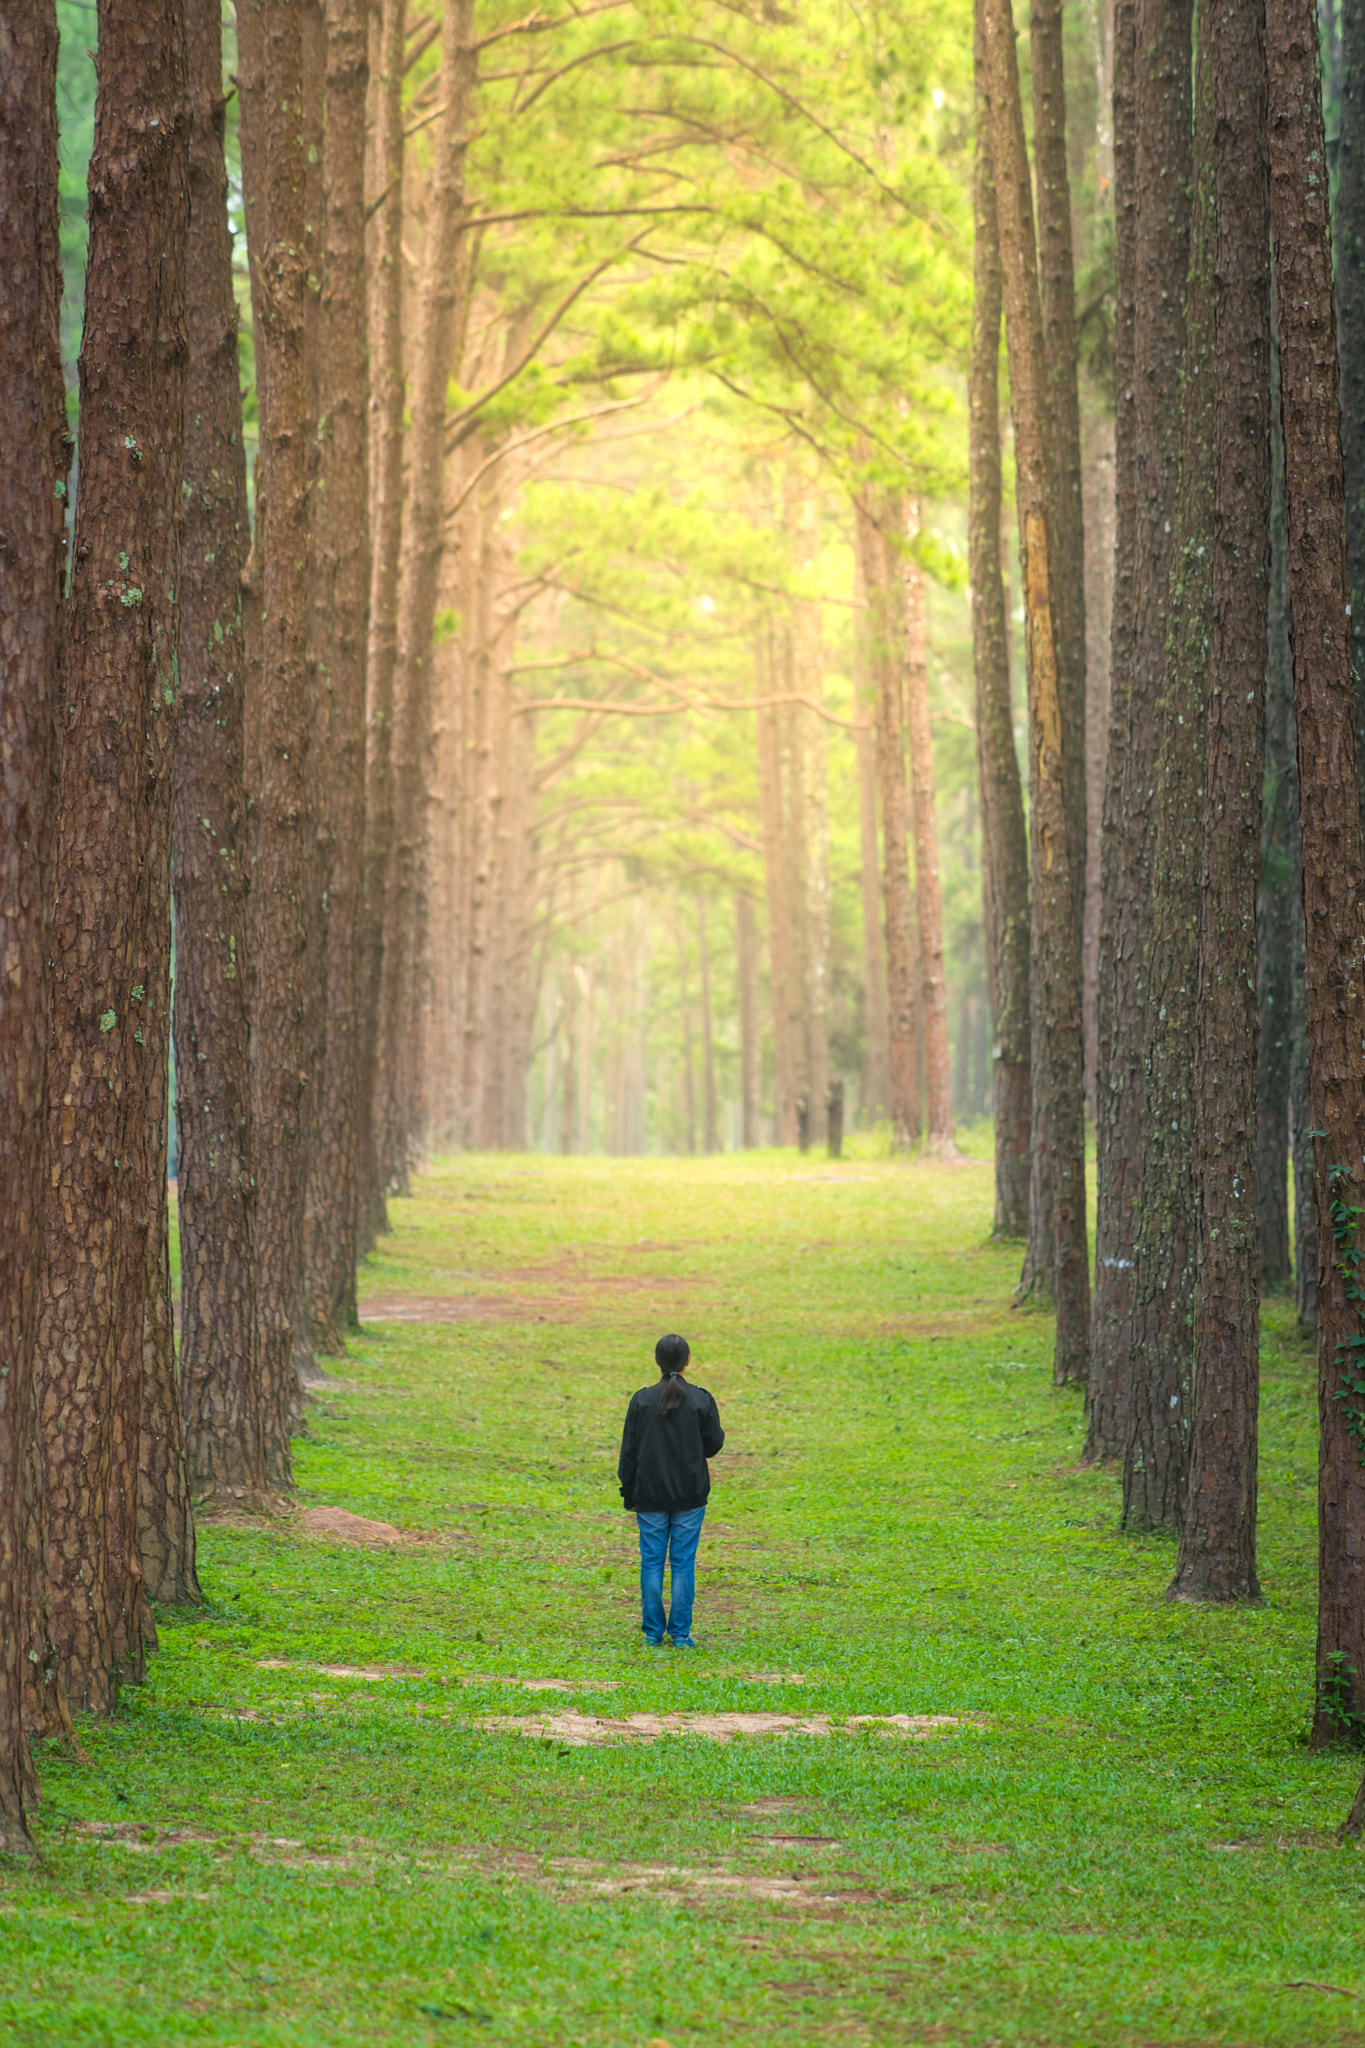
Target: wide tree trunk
(1004,835)
(119,687)
(1217,1559)
(874,1093)
(286,950)
(440,304)
(219,1357)
(1066,524)
(938,1072)
(1333,858)
(880,580)
(1055,951)
(1152,175)
(384,301)
(342,571)
(746,954)
(32,494)
(1300,1108)
(1275,907)
(1349,235)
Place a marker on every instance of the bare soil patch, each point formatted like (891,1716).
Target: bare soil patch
(345,1527)
(578,1731)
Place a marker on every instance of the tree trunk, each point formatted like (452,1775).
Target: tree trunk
(119,687)
(809,730)
(32,494)
(1300,1112)
(1055,956)
(286,957)
(219,1358)
(1066,524)
(384,300)
(884,635)
(874,1094)
(342,573)
(708,1048)
(938,1071)
(1156,1454)
(1217,1558)
(781,966)
(689,1086)
(1333,858)
(1152,172)
(746,952)
(1004,838)
(1349,226)
(434,358)
(1275,915)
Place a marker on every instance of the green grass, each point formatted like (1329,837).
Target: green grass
(1131,1844)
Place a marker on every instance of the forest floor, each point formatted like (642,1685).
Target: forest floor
(436,1790)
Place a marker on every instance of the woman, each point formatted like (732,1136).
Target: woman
(671,1430)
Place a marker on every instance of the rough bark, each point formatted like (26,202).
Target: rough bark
(219,1359)
(32,490)
(119,689)
(1349,233)
(440,310)
(1156,1451)
(285,943)
(938,1072)
(1300,1111)
(1004,836)
(1055,960)
(746,952)
(1333,858)
(1217,1559)
(342,574)
(384,300)
(884,628)
(1066,524)
(809,733)
(1152,173)
(1275,915)
(874,1093)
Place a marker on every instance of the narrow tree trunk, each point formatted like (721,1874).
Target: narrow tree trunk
(1349,227)
(119,689)
(792,755)
(286,957)
(1156,1454)
(1066,524)
(219,1358)
(1333,857)
(342,572)
(440,309)
(938,1072)
(689,1085)
(884,636)
(746,951)
(1055,960)
(810,733)
(708,1048)
(32,491)
(781,967)
(1152,171)
(1275,912)
(384,300)
(876,1080)
(1300,1109)
(1217,1558)
(1004,838)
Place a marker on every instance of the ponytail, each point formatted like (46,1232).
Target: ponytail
(671,1355)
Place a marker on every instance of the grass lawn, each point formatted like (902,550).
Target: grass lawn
(320,1822)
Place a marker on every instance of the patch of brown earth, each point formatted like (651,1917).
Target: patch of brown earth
(372,1673)
(556,1307)
(578,1731)
(345,1527)
(683,1884)
(141,1836)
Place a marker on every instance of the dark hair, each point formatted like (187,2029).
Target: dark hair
(671,1355)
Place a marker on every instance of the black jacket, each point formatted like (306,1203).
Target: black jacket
(662,1468)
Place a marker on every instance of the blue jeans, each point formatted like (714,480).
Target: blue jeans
(675,1537)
